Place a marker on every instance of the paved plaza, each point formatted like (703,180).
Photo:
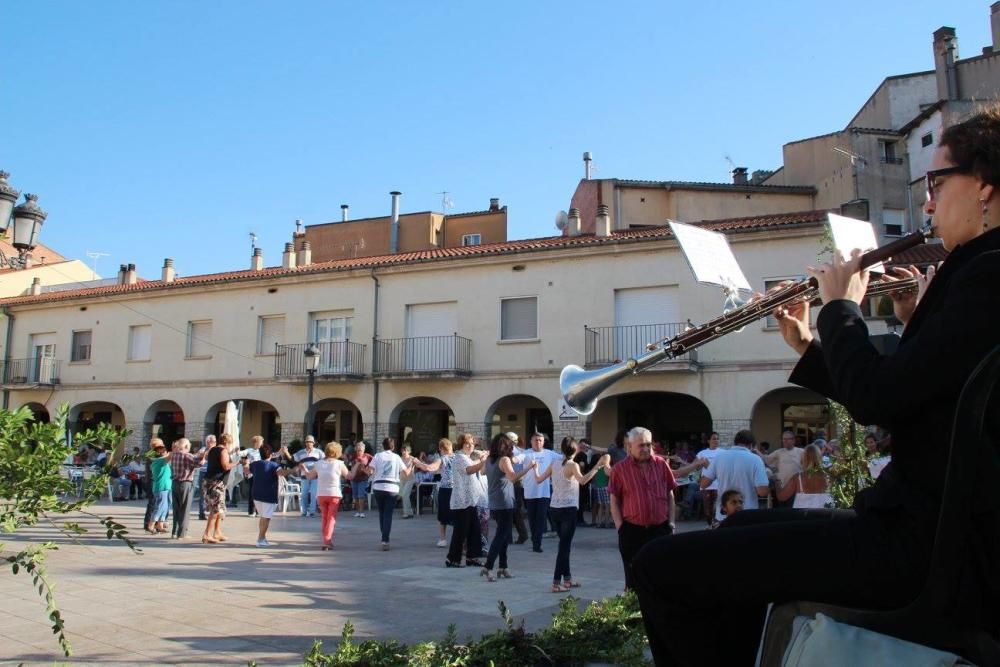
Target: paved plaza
(185,602)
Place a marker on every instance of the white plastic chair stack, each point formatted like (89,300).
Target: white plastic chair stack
(288,492)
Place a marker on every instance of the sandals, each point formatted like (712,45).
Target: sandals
(504,574)
(474,562)
(448,563)
(556,588)
(209,540)
(568,584)
(151,530)
(486,573)
(221,538)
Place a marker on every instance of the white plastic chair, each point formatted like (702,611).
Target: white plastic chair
(288,492)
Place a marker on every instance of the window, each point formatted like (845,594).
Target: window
(769,321)
(270,333)
(887,152)
(519,318)
(198,336)
(892,221)
(472,239)
(140,338)
(927,139)
(80,349)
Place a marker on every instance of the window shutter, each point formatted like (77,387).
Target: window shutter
(519,318)
(271,333)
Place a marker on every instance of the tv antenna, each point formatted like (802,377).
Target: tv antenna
(96,255)
(446,202)
(855,158)
(253,242)
(728,159)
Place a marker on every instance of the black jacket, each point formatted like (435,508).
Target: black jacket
(913,392)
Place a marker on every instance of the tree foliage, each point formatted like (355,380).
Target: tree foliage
(34,490)
(849,473)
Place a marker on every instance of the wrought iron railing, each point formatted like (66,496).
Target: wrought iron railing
(426,354)
(37,370)
(608,345)
(885,159)
(336,358)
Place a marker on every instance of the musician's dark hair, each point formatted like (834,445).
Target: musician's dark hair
(744,437)
(568,447)
(388,445)
(974,144)
(500,446)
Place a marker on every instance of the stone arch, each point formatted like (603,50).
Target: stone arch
(802,410)
(671,416)
(164,419)
(39,412)
(258,418)
(521,414)
(421,421)
(90,413)
(336,419)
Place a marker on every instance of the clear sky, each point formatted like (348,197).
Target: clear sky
(160,129)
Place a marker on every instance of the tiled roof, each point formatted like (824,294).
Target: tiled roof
(782,220)
(700,185)
(874,130)
(486,212)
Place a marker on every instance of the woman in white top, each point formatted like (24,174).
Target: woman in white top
(443,466)
(328,474)
(809,487)
(385,470)
(464,498)
(566,481)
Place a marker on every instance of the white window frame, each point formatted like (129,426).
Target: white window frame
(131,342)
(467,239)
(260,334)
(73,346)
(500,338)
(189,350)
(771,324)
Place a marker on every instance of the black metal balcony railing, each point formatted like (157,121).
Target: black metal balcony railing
(890,160)
(607,345)
(38,370)
(341,358)
(427,354)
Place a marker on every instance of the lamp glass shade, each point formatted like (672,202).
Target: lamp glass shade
(26,230)
(312,357)
(5,210)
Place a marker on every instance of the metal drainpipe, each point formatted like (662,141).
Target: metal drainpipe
(6,354)
(374,356)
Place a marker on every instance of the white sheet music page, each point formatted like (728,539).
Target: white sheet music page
(849,234)
(709,256)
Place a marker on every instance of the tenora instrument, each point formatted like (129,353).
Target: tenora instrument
(580,388)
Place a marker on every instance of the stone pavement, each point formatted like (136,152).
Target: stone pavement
(183,602)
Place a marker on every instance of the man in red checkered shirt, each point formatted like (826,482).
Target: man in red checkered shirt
(642,499)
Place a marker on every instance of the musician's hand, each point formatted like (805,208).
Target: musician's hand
(793,321)
(841,279)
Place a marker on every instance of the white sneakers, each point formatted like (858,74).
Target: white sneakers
(263,543)
(361,515)
(442,543)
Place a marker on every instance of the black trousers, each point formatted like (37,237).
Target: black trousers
(249,488)
(465,530)
(501,538)
(181,492)
(632,538)
(762,556)
(522,531)
(538,517)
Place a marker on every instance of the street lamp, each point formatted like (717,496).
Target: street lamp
(312,363)
(27,218)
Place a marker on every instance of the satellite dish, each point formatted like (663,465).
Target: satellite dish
(562,219)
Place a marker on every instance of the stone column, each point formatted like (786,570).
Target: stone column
(574,429)
(477,429)
(137,437)
(290,431)
(195,432)
(727,429)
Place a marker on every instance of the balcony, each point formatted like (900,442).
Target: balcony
(889,159)
(34,371)
(609,345)
(427,356)
(338,360)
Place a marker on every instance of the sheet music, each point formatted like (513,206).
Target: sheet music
(709,256)
(849,234)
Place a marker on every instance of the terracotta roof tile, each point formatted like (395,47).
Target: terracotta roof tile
(439,254)
(703,185)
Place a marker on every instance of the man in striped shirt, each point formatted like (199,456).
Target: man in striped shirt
(642,499)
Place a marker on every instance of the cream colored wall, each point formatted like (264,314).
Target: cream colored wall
(814,162)
(978,77)
(573,290)
(695,205)
(492,227)
(15,283)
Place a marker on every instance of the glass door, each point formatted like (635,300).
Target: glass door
(331,334)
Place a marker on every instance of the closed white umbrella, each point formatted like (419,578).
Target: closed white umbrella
(231,425)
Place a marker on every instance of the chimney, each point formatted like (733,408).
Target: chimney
(573,224)
(494,203)
(995,24)
(122,271)
(945,55)
(602,226)
(343,212)
(36,286)
(587,166)
(130,277)
(288,257)
(394,223)
(305,254)
(257,261)
(168,270)
(740,176)
(298,228)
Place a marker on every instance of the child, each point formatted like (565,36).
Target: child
(730,503)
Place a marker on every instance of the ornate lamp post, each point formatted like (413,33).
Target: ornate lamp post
(311,354)
(27,218)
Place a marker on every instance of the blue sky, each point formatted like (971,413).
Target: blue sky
(173,129)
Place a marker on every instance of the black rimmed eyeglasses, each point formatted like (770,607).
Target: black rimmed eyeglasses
(934,174)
